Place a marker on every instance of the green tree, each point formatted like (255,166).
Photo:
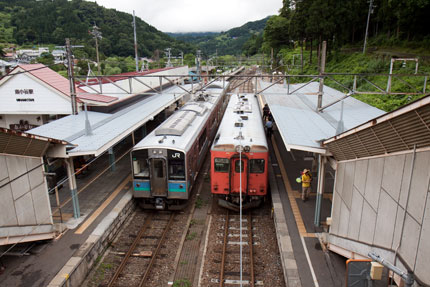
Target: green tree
(276,32)
(46,59)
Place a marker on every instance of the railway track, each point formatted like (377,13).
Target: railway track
(231,260)
(243,84)
(138,261)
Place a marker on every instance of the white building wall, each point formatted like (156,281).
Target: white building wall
(370,199)
(42,100)
(25,212)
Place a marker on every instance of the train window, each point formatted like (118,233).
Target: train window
(256,165)
(140,164)
(222,164)
(238,166)
(176,169)
(158,168)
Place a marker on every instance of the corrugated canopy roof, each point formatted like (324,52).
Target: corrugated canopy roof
(25,144)
(107,129)
(396,131)
(301,126)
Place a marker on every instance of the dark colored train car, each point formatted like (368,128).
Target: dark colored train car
(165,163)
(239,155)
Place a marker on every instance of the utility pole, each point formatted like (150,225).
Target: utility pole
(198,63)
(182,58)
(168,54)
(322,70)
(97,35)
(135,42)
(367,26)
(71,77)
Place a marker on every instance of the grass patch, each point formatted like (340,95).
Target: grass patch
(182,283)
(191,235)
(199,202)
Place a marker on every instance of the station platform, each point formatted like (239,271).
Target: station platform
(308,263)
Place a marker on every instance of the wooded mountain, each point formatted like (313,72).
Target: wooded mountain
(230,42)
(50,22)
(340,23)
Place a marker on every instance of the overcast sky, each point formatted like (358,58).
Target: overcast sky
(196,15)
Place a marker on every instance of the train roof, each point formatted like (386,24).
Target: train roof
(181,128)
(242,124)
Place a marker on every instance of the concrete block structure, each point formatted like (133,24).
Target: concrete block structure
(381,196)
(25,211)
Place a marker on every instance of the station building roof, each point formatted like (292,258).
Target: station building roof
(396,131)
(56,81)
(301,126)
(107,129)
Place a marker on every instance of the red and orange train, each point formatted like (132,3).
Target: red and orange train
(239,155)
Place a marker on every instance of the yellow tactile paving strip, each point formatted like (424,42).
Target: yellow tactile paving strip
(99,210)
(292,195)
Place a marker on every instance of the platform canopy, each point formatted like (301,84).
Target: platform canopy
(294,110)
(106,129)
(24,144)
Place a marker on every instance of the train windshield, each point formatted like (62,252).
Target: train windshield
(176,165)
(176,169)
(238,166)
(256,165)
(222,164)
(140,164)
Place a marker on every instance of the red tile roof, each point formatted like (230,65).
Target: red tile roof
(60,83)
(123,76)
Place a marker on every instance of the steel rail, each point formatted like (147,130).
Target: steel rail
(224,250)
(157,250)
(130,251)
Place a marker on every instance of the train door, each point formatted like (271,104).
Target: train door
(158,177)
(238,172)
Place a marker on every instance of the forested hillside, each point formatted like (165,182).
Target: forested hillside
(397,29)
(232,42)
(30,22)
(340,23)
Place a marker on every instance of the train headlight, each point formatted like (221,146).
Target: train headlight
(181,186)
(247,148)
(137,184)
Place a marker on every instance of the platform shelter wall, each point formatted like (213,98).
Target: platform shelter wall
(25,212)
(369,203)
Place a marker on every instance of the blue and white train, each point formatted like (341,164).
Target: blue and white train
(166,162)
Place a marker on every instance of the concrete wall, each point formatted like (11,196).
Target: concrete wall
(25,212)
(369,204)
